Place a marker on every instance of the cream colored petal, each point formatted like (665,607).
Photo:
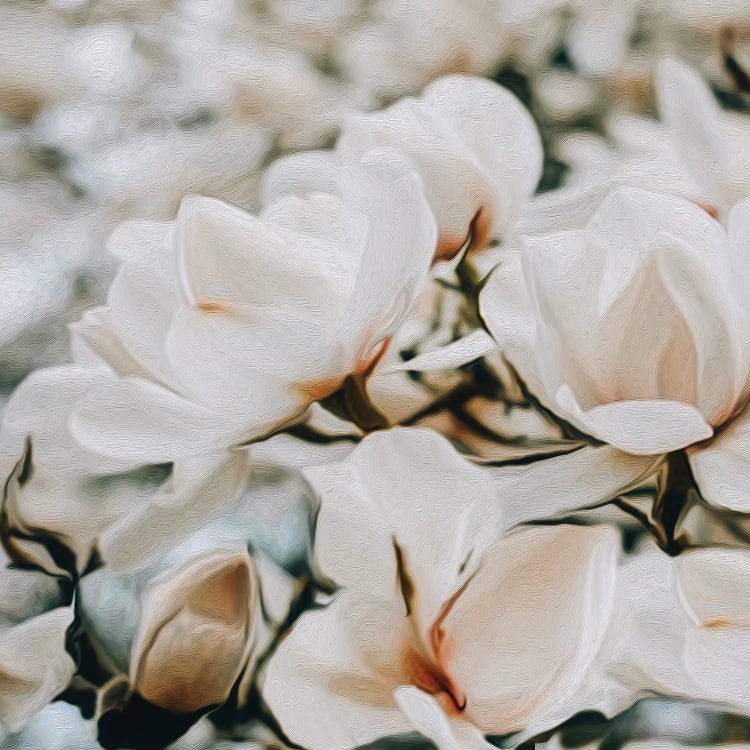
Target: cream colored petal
(716,596)
(703,294)
(43,408)
(521,638)
(140,421)
(475,146)
(406,501)
(642,653)
(460,352)
(227,257)
(714,585)
(556,486)
(410,127)
(645,427)
(722,467)
(401,240)
(499,131)
(323,217)
(128,332)
(342,662)
(247,371)
(689,110)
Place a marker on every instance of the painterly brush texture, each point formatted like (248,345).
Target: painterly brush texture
(374,374)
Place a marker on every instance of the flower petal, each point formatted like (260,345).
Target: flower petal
(714,589)
(42,408)
(400,243)
(344,661)
(128,332)
(430,719)
(138,420)
(722,468)
(714,322)
(521,637)
(556,486)
(641,427)
(197,490)
(228,255)
(460,352)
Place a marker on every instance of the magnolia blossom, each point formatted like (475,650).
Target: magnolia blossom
(197,632)
(476,147)
(710,145)
(634,329)
(224,326)
(442,624)
(474,144)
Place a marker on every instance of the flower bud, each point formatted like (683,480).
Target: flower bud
(196,632)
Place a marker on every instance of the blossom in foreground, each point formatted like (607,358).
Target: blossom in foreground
(633,329)
(224,326)
(442,624)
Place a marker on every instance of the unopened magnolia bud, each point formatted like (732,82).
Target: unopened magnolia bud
(196,633)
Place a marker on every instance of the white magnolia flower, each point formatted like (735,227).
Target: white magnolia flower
(442,624)
(197,632)
(224,326)
(715,144)
(475,145)
(697,151)
(634,330)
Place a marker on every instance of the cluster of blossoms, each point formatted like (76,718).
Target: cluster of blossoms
(114,110)
(381,442)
